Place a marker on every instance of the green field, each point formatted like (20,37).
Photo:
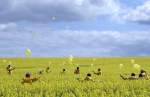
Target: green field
(55,84)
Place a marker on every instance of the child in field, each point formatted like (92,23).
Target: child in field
(47,69)
(77,71)
(132,77)
(9,69)
(99,72)
(88,77)
(29,79)
(41,72)
(143,74)
(63,71)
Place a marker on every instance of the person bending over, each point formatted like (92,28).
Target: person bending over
(88,77)
(143,74)
(132,77)
(99,72)
(29,79)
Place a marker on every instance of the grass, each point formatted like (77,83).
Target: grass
(55,84)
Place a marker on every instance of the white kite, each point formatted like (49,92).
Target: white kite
(121,65)
(132,61)
(4,61)
(70,58)
(92,65)
(28,52)
(94,59)
(53,18)
(136,66)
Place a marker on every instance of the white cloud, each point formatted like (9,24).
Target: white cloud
(64,10)
(73,42)
(7,26)
(15,38)
(71,10)
(141,14)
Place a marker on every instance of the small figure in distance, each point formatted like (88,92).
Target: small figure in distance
(77,70)
(9,69)
(63,71)
(132,77)
(47,70)
(143,74)
(41,72)
(29,79)
(99,72)
(88,77)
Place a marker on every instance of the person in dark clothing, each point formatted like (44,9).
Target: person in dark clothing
(77,71)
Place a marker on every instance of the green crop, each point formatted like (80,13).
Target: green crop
(55,84)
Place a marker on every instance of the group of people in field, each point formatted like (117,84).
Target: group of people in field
(88,75)
(142,75)
(28,76)
(30,79)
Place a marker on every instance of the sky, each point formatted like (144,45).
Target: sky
(82,28)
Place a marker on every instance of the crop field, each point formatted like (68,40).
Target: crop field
(56,84)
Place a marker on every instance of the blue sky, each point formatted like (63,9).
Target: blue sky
(84,28)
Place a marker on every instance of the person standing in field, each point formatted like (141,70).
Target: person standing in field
(47,69)
(99,72)
(77,70)
(9,69)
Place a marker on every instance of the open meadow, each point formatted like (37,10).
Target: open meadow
(56,84)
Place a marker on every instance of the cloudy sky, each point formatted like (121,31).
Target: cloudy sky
(83,28)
